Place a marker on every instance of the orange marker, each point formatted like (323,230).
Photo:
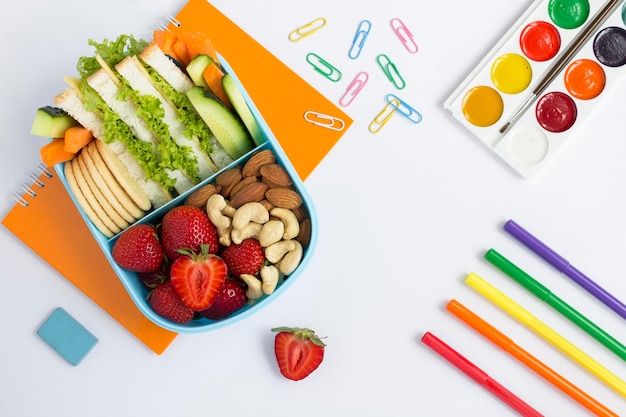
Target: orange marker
(506,344)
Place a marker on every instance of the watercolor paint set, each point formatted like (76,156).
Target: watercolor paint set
(526,97)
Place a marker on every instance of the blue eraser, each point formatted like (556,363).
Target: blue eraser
(67,336)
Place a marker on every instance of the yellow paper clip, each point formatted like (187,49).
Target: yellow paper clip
(390,71)
(307,29)
(404,34)
(324,120)
(383,117)
(323,67)
(354,88)
(359,39)
(404,109)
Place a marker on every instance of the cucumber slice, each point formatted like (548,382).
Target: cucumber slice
(227,128)
(51,122)
(196,68)
(241,107)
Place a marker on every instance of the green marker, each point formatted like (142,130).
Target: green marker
(545,295)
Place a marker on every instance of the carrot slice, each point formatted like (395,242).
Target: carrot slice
(76,137)
(166,40)
(199,43)
(180,48)
(54,152)
(213,74)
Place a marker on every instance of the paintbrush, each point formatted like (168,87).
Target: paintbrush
(574,47)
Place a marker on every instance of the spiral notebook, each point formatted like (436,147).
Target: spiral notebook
(67,244)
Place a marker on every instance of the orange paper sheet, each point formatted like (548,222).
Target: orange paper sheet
(52,227)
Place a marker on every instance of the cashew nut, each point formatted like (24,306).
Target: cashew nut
(214,207)
(269,276)
(250,212)
(289,219)
(252,230)
(271,232)
(275,252)
(291,260)
(255,290)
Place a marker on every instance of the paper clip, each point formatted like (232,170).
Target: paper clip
(354,88)
(403,33)
(390,71)
(324,120)
(403,108)
(323,67)
(360,37)
(307,29)
(383,117)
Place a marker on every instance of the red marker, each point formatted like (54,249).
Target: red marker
(479,376)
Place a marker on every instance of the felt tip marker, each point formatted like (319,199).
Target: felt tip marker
(544,294)
(547,333)
(506,344)
(478,375)
(563,266)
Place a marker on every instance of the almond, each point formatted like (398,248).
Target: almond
(283,197)
(253,166)
(304,235)
(229,177)
(199,197)
(251,192)
(239,186)
(275,174)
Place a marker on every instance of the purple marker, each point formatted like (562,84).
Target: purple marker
(563,266)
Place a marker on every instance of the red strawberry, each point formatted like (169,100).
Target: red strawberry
(138,249)
(298,351)
(246,257)
(151,280)
(197,277)
(187,227)
(230,298)
(167,303)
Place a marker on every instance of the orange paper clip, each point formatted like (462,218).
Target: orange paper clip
(354,88)
(404,34)
(307,29)
(324,120)
(383,117)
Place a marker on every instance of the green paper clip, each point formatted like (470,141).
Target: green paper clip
(390,71)
(323,67)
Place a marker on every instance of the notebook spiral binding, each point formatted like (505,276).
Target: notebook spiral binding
(167,19)
(31,183)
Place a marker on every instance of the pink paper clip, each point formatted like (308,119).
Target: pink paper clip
(404,34)
(354,88)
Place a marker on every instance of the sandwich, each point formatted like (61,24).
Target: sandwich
(149,120)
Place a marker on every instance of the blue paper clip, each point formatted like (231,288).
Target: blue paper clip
(390,71)
(404,34)
(324,120)
(360,37)
(354,88)
(323,67)
(307,29)
(383,117)
(403,108)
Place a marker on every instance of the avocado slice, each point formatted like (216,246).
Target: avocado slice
(241,107)
(226,126)
(51,122)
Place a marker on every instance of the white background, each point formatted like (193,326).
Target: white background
(404,216)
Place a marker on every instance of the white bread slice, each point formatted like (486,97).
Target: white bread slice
(109,89)
(166,68)
(149,193)
(133,71)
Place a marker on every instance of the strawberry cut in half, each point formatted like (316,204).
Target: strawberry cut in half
(197,277)
(299,351)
